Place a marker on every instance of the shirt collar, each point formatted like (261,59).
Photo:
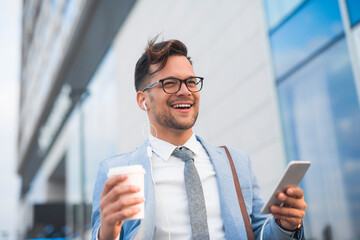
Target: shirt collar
(164,149)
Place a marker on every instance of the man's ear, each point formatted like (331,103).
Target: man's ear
(140,98)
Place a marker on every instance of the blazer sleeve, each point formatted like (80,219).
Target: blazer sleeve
(99,185)
(129,227)
(271,230)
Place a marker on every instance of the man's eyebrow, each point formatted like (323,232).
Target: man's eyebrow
(190,76)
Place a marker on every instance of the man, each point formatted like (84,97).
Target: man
(168,90)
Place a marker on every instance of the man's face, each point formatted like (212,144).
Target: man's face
(166,111)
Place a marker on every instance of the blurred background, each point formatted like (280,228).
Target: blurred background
(282,82)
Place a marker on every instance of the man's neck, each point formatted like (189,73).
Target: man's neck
(175,137)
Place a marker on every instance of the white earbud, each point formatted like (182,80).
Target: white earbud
(144,105)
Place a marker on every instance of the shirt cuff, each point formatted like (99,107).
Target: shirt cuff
(292,234)
(287,232)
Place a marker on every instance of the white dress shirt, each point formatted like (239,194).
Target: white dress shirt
(171,198)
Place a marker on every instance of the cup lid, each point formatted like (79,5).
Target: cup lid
(126,169)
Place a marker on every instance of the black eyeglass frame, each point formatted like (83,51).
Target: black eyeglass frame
(181,81)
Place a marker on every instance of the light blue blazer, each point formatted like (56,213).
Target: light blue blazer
(231,214)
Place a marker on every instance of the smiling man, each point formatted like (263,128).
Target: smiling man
(188,191)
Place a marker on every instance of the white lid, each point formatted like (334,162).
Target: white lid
(126,169)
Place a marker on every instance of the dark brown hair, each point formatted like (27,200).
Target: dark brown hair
(156,53)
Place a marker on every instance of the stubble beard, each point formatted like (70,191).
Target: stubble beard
(167,120)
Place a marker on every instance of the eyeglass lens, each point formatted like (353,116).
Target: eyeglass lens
(173,85)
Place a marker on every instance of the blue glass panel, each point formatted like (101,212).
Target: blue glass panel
(321,116)
(353,7)
(316,24)
(54,4)
(276,11)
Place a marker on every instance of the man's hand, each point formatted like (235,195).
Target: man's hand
(114,206)
(292,212)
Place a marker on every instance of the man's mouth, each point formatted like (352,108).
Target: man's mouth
(181,106)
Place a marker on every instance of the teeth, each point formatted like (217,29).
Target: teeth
(182,106)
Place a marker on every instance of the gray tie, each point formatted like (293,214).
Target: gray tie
(195,195)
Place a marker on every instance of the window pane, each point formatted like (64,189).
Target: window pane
(321,116)
(276,11)
(315,25)
(354,11)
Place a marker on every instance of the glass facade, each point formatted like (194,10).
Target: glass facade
(353,7)
(276,13)
(304,33)
(320,114)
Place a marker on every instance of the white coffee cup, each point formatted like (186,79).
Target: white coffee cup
(135,175)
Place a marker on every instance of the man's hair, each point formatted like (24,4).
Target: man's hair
(156,53)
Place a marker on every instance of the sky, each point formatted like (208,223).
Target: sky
(10,24)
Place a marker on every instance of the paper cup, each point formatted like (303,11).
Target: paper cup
(135,175)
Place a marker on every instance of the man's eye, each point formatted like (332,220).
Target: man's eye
(191,81)
(169,83)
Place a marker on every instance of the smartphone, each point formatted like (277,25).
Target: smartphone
(294,172)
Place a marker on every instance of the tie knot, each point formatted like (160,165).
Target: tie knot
(183,153)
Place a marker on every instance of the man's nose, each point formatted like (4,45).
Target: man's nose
(183,89)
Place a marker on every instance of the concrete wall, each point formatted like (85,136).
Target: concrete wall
(228,43)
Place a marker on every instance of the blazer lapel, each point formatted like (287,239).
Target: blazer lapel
(230,209)
(147,225)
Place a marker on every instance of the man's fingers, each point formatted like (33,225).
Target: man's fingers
(288,223)
(116,202)
(293,210)
(111,182)
(117,217)
(295,192)
(122,204)
(283,212)
(292,202)
(128,212)
(295,203)
(116,192)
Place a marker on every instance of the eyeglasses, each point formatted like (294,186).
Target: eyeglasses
(172,85)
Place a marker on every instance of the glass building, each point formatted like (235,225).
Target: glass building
(282,82)
(313,45)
